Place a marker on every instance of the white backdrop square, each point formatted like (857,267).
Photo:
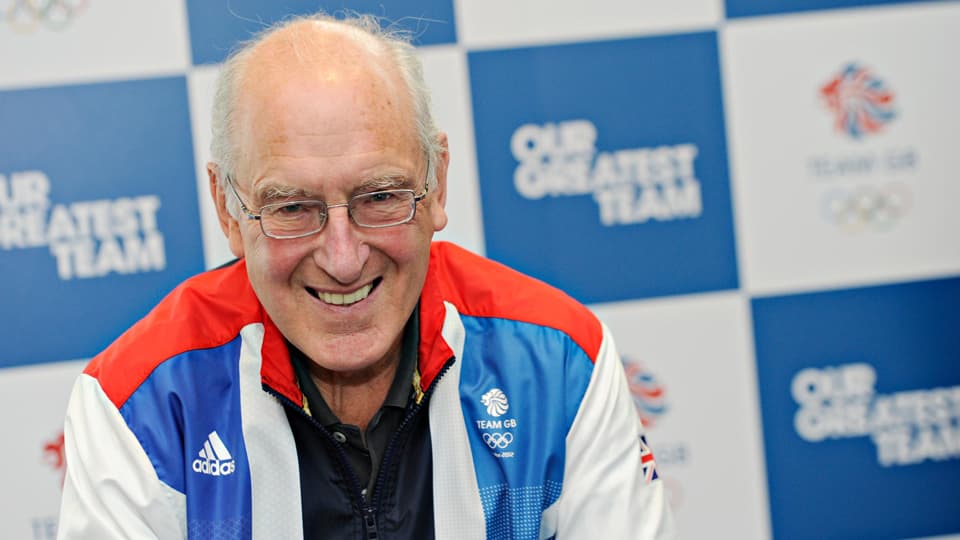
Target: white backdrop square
(817,206)
(706,436)
(31,468)
(445,70)
(499,23)
(84,41)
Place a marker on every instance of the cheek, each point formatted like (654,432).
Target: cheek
(412,259)
(408,247)
(271,260)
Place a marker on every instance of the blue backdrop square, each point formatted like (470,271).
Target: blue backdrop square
(892,351)
(216,26)
(608,116)
(105,172)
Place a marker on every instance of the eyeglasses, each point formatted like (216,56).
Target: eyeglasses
(296,219)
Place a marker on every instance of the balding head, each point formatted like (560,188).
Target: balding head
(323,49)
(331,52)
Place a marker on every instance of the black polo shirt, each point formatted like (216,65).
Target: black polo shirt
(365,449)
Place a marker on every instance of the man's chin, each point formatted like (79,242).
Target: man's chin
(351,356)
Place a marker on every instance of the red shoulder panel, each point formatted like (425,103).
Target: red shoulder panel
(205,311)
(480,287)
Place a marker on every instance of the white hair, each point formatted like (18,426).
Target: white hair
(400,53)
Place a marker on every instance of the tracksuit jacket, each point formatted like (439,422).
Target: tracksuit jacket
(521,425)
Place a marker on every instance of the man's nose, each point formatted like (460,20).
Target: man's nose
(341,253)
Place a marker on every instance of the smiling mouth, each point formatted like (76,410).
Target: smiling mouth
(340,299)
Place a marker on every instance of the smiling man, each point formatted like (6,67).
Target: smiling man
(347,377)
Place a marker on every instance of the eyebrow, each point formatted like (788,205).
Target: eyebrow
(379,183)
(273,192)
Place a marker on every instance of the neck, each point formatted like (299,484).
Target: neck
(356,396)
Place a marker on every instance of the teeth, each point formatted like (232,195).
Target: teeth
(338,299)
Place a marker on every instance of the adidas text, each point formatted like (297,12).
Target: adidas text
(214,468)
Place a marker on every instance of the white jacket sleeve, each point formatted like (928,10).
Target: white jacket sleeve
(111,489)
(605,491)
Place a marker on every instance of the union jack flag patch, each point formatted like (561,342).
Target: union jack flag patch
(646,459)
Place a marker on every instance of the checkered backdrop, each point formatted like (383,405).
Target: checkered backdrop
(757,196)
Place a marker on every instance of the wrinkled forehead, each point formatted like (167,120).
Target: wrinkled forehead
(326,80)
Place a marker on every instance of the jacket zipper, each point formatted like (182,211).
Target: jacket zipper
(369,510)
(341,454)
(388,454)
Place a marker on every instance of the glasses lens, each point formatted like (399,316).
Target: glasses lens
(289,220)
(382,208)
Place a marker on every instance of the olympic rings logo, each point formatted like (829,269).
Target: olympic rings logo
(867,207)
(498,440)
(27,15)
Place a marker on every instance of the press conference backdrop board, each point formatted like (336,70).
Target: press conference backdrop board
(759,197)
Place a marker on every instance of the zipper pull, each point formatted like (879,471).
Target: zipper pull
(417,389)
(306,406)
(370,521)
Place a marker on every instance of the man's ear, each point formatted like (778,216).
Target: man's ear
(438,212)
(228,224)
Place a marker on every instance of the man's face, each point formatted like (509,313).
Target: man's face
(330,135)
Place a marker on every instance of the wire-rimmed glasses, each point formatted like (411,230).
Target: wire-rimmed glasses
(296,219)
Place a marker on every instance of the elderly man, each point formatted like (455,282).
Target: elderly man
(346,378)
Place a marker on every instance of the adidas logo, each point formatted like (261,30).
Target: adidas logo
(214,459)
